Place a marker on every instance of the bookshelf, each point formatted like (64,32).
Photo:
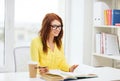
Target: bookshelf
(102,59)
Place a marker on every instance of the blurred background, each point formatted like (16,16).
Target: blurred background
(20,21)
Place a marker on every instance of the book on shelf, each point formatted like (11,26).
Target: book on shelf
(112,45)
(115,17)
(58,75)
(103,42)
(108,17)
(98,44)
(105,17)
(112,17)
(107,44)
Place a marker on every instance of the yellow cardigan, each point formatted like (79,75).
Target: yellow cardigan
(53,59)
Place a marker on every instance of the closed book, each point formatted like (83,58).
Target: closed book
(105,17)
(103,39)
(98,46)
(109,17)
(115,16)
(112,45)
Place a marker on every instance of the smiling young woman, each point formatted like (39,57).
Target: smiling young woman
(47,48)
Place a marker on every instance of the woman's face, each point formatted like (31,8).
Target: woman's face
(55,28)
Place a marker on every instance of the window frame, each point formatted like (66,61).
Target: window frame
(9,41)
(9,36)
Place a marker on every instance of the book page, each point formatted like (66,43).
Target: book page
(80,72)
(72,75)
(62,73)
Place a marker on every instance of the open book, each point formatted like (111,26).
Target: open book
(57,75)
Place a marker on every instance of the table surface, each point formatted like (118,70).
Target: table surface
(104,74)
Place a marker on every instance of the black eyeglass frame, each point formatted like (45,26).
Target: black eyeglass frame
(56,26)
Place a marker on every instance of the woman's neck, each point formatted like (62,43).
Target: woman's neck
(50,43)
(50,39)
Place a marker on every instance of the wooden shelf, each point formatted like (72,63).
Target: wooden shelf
(114,57)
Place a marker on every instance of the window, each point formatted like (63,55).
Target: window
(2,32)
(29,15)
(22,22)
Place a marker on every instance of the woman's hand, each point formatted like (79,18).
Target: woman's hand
(72,68)
(43,70)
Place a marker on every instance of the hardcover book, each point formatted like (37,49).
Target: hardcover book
(115,17)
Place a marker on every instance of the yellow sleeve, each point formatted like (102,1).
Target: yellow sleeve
(34,51)
(63,65)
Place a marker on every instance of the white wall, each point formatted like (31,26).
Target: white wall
(74,30)
(79,31)
(88,27)
(9,19)
(9,61)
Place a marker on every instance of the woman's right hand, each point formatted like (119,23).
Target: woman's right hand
(72,68)
(43,70)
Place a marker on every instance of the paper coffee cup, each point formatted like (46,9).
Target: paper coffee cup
(32,69)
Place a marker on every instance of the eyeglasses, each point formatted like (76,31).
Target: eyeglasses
(56,26)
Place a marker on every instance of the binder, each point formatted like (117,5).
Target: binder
(98,16)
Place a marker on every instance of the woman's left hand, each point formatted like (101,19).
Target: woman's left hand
(43,70)
(72,68)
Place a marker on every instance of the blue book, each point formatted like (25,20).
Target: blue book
(115,16)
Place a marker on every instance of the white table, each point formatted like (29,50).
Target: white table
(18,76)
(104,74)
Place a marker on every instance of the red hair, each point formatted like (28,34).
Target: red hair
(45,30)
